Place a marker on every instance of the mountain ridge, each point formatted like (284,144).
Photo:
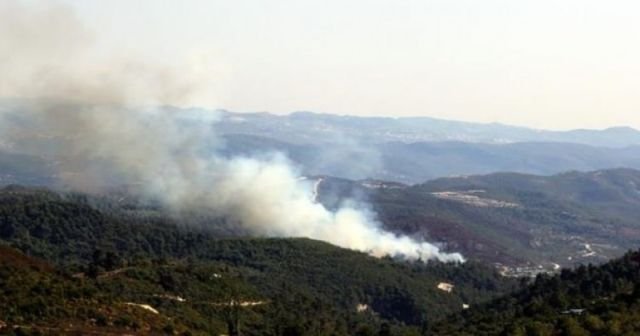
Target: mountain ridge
(414,129)
(510,218)
(420,161)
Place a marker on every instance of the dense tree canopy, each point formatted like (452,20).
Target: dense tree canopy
(107,255)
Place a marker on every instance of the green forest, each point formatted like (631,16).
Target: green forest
(78,264)
(75,260)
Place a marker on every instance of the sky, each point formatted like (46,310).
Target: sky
(553,64)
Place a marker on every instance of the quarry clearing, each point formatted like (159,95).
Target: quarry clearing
(470,197)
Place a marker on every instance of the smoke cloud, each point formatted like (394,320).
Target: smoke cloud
(93,120)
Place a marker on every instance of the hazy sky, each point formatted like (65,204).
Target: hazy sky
(542,63)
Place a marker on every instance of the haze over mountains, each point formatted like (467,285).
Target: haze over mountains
(412,150)
(312,128)
(407,150)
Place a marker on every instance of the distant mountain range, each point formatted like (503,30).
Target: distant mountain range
(417,162)
(412,150)
(408,150)
(315,128)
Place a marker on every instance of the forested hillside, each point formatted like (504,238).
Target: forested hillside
(106,256)
(513,219)
(588,300)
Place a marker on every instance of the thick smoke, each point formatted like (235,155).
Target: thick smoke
(89,120)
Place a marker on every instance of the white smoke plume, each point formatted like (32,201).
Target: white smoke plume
(88,118)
